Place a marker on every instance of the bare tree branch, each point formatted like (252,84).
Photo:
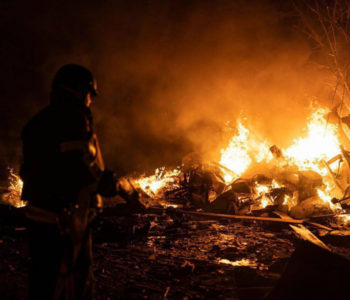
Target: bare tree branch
(327,23)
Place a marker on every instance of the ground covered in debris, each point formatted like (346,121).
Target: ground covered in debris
(167,255)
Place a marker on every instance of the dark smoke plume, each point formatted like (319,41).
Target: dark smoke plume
(171,73)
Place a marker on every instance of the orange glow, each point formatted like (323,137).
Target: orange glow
(153,185)
(244,262)
(235,156)
(262,191)
(327,199)
(13,197)
(290,201)
(320,143)
(344,219)
(264,153)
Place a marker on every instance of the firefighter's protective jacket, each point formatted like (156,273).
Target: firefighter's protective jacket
(60,154)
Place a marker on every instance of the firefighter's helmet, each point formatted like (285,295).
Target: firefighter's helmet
(75,78)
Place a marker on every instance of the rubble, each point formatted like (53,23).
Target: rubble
(187,254)
(310,207)
(216,229)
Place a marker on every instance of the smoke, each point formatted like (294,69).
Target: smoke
(171,73)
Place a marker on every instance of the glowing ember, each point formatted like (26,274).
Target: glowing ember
(262,192)
(166,204)
(235,157)
(344,219)
(154,184)
(13,197)
(245,262)
(290,201)
(327,199)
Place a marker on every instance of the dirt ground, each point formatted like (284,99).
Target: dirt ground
(169,256)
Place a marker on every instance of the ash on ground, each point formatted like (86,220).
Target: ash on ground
(167,255)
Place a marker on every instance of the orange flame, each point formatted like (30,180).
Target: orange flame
(235,156)
(153,185)
(321,143)
(13,197)
(344,219)
(262,191)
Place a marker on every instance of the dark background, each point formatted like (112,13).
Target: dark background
(170,73)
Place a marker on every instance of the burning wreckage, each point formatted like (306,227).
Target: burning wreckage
(308,179)
(307,183)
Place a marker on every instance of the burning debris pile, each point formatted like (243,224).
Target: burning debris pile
(309,178)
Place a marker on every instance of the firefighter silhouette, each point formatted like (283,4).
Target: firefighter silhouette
(63,175)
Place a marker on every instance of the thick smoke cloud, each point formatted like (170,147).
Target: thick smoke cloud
(171,73)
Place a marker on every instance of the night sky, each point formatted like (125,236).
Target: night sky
(170,73)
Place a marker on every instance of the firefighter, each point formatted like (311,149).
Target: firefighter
(64,175)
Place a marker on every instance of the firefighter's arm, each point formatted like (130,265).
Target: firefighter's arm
(106,180)
(108,184)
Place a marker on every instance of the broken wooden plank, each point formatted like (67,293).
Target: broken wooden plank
(285,216)
(320,226)
(307,235)
(334,177)
(303,232)
(334,159)
(282,215)
(335,200)
(346,154)
(238,217)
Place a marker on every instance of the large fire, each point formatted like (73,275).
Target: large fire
(307,153)
(313,152)
(319,144)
